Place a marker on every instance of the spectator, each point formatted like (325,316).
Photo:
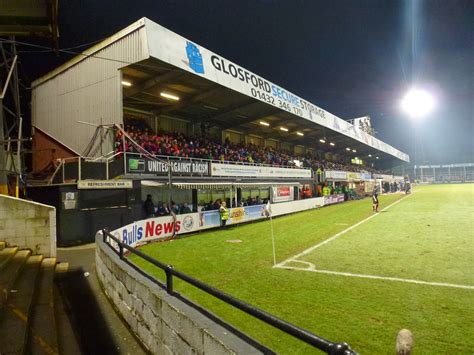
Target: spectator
(174,208)
(224,214)
(163,210)
(179,145)
(149,207)
(217,204)
(326,190)
(185,209)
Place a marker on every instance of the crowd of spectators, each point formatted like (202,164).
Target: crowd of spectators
(249,201)
(179,145)
(162,209)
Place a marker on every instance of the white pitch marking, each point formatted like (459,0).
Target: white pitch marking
(311,266)
(314,247)
(384,278)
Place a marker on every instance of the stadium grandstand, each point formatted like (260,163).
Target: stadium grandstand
(146,99)
(149,137)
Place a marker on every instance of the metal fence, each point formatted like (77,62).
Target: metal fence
(316,341)
(115,164)
(452,173)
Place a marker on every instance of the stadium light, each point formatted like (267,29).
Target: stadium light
(332,144)
(300,134)
(126,83)
(376,157)
(348,149)
(370,155)
(354,151)
(211,107)
(417,103)
(284,129)
(169,96)
(322,140)
(263,123)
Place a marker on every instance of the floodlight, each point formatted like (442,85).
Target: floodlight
(126,83)
(322,140)
(348,149)
(284,129)
(169,96)
(332,144)
(417,103)
(299,133)
(263,123)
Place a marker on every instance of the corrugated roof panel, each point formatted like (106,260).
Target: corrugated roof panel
(88,91)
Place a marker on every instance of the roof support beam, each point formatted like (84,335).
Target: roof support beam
(193,99)
(233,110)
(242,121)
(150,83)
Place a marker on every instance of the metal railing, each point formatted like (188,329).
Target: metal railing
(316,341)
(110,157)
(164,157)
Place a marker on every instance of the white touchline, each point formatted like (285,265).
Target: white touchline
(384,278)
(314,247)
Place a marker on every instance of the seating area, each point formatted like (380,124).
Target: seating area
(176,144)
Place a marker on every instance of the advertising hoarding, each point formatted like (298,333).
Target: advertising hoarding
(282,193)
(174,49)
(335,175)
(257,171)
(332,199)
(161,228)
(181,167)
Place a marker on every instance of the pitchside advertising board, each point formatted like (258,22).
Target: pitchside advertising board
(164,227)
(156,167)
(159,228)
(330,200)
(176,50)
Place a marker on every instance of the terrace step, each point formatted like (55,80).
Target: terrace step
(43,335)
(11,270)
(5,255)
(15,316)
(67,340)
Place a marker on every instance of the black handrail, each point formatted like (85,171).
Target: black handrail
(322,344)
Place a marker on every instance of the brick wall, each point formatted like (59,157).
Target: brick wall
(163,323)
(46,150)
(28,224)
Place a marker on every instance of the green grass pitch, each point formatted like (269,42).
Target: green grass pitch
(427,237)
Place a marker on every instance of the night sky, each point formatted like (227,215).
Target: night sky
(352,57)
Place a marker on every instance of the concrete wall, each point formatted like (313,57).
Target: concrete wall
(28,224)
(164,323)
